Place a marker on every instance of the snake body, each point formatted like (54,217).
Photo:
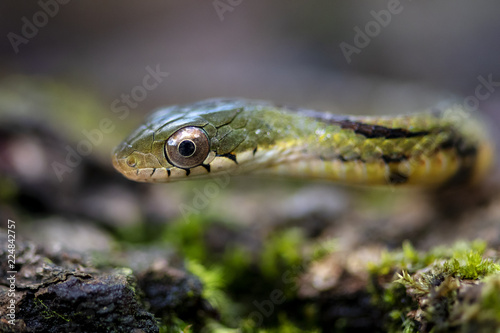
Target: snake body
(441,146)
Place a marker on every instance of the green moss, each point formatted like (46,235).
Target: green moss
(135,233)
(189,240)
(490,298)
(419,286)
(469,266)
(285,325)
(8,189)
(176,325)
(444,289)
(411,260)
(188,237)
(236,260)
(229,277)
(323,248)
(407,259)
(47,313)
(438,290)
(281,251)
(213,283)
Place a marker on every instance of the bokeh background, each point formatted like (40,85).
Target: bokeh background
(64,80)
(278,50)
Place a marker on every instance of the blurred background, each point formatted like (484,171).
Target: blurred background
(278,50)
(62,72)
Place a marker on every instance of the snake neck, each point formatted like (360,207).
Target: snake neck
(423,149)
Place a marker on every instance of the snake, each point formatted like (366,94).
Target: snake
(442,146)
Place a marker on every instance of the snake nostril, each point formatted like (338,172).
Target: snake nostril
(131,161)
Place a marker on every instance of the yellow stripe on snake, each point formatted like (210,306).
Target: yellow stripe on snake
(434,148)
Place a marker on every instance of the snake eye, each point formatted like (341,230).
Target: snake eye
(188,147)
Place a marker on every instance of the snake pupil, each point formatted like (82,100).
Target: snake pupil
(187,148)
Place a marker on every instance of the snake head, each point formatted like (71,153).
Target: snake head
(195,140)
